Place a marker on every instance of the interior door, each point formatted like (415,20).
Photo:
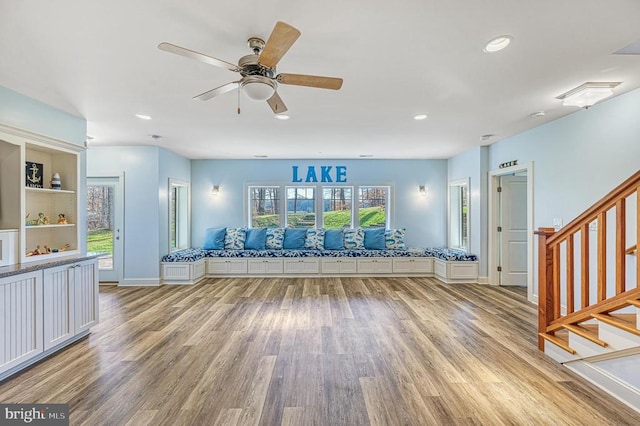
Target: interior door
(513,234)
(104,225)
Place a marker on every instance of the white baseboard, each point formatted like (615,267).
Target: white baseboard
(140,282)
(608,383)
(483,280)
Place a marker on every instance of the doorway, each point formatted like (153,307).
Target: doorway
(105,212)
(511,227)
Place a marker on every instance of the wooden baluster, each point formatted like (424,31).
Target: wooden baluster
(570,275)
(602,256)
(621,249)
(545,282)
(584,265)
(556,282)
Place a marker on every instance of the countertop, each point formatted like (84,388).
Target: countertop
(21,268)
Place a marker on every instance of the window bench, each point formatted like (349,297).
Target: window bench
(191,265)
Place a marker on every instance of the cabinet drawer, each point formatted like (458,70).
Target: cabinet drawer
(264,266)
(375,266)
(339,266)
(412,266)
(301,266)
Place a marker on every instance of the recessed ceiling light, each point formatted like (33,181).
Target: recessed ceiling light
(538,114)
(282,116)
(143,116)
(260,156)
(366,155)
(420,116)
(155,136)
(498,43)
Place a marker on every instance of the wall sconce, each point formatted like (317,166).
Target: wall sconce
(215,190)
(423,190)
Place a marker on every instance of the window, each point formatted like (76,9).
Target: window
(373,206)
(178,215)
(265,206)
(459,214)
(308,206)
(301,207)
(336,207)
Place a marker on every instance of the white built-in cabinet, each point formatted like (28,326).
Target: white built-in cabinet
(21,320)
(412,265)
(226,266)
(70,301)
(339,266)
(25,207)
(375,266)
(265,266)
(44,310)
(301,266)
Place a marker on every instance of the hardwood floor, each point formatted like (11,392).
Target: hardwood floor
(325,351)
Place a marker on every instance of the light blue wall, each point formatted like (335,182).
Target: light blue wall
(171,166)
(577,159)
(473,164)
(424,217)
(139,164)
(146,171)
(25,113)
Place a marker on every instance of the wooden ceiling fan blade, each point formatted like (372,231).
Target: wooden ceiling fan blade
(332,83)
(192,54)
(281,39)
(217,91)
(276,104)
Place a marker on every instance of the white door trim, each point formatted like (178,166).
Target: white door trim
(494,176)
(120,253)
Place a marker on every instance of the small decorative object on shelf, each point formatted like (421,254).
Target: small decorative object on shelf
(55,181)
(64,247)
(34,175)
(42,219)
(62,219)
(35,252)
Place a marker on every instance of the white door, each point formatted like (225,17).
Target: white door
(104,225)
(513,231)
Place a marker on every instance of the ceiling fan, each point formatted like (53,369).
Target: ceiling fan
(258,70)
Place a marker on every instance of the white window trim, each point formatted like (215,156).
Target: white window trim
(179,183)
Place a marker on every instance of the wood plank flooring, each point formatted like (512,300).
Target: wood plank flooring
(314,351)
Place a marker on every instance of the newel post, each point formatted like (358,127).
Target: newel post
(545,282)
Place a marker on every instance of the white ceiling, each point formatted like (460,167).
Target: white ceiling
(99,60)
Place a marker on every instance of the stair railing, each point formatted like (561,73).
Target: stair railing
(553,268)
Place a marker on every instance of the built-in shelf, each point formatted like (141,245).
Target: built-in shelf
(55,225)
(49,256)
(51,191)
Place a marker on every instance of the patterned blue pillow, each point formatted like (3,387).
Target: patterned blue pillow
(374,239)
(394,239)
(275,238)
(314,239)
(234,239)
(333,239)
(354,239)
(214,239)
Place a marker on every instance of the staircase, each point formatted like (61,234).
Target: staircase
(589,293)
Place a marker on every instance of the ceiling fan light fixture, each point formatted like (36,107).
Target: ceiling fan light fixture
(497,43)
(258,88)
(420,117)
(588,94)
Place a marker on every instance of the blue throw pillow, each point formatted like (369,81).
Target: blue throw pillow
(256,239)
(294,238)
(333,239)
(214,239)
(374,239)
